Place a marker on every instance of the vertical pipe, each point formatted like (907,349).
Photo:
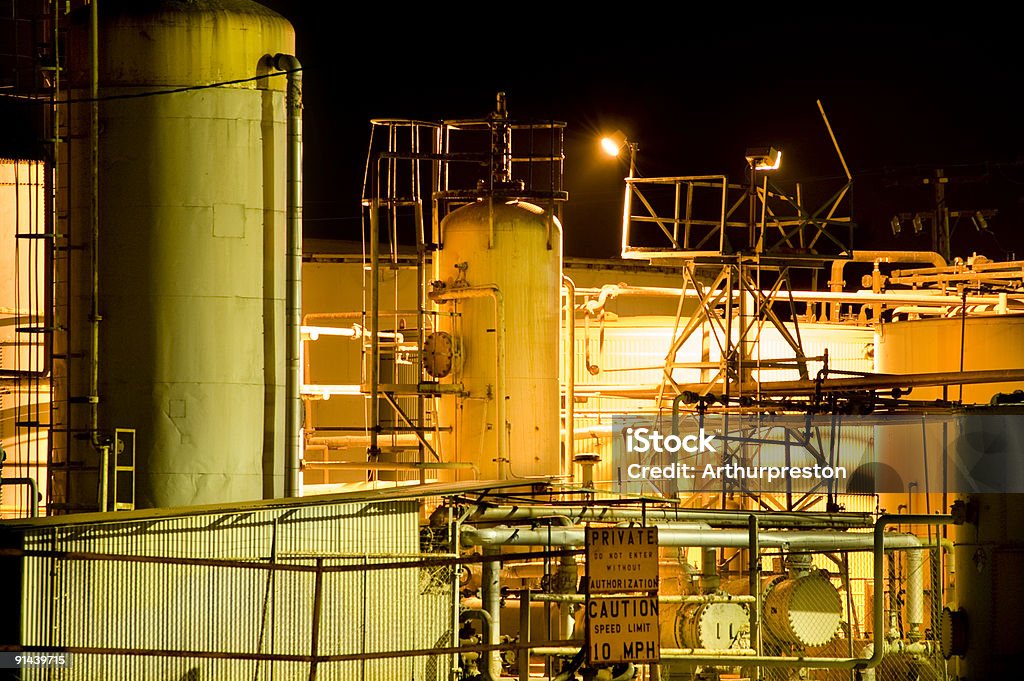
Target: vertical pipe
(754,577)
(454,527)
(491,596)
(709,580)
(504,455)
(627,199)
(374,317)
(102,449)
(94,221)
(314,637)
(894,601)
(524,635)
(293,275)
(104,501)
(421,290)
(570,375)
(915,594)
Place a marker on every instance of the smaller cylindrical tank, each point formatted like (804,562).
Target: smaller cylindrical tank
(805,611)
(713,626)
(510,253)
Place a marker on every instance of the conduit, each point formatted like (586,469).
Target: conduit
(923,257)
(711,516)
(610,291)
(293,275)
(790,540)
(569,352)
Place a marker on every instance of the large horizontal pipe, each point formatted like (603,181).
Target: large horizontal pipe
(712,517)
(610,291)
(791,540)
(797,388)
(666,598)
(666,653)
(923,257)
(386,465)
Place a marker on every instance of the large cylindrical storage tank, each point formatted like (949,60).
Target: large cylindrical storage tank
(515,249)
(989,552)
(934,345)
(192,193)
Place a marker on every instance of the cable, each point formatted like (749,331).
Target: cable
(156,93)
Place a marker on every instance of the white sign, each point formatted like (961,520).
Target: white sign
(622,559)
(623,629)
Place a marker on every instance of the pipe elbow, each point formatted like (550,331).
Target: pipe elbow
(286,62)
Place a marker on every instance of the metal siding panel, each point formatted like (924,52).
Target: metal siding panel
(181,607)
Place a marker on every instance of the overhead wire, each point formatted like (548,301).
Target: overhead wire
(155,93)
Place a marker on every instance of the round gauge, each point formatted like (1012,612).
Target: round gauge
(438,350)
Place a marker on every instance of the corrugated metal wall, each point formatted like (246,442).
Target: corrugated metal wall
(630,351)
(172,607)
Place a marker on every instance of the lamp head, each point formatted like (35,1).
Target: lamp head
(613,143)
(764,158)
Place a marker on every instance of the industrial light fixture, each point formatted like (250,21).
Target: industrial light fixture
(613,144)
(980,223)
(764,158)
(897,226)
(918,225)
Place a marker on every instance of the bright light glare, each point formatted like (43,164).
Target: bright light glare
(609,146)
(613,143)
(774,166)
(764,158)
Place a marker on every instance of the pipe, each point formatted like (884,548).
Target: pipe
(524,634)
(662,598)
(915,594)
(97,443)
(860,296)
(868,674)
(797,388)
(33,491)
(491,594)
(342,441)
(390,465)
(570,375)
(490,291)
(712,517)
(924,257)
(709,580)
(714,656)
(486,623)
(754,584)
(293,275)
(790,540)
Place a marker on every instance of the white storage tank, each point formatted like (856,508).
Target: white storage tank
(513,247)
(191,247)
(933,345)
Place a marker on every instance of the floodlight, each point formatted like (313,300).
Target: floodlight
(764,158)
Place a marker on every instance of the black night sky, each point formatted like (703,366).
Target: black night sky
(903,100)
(694,91)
